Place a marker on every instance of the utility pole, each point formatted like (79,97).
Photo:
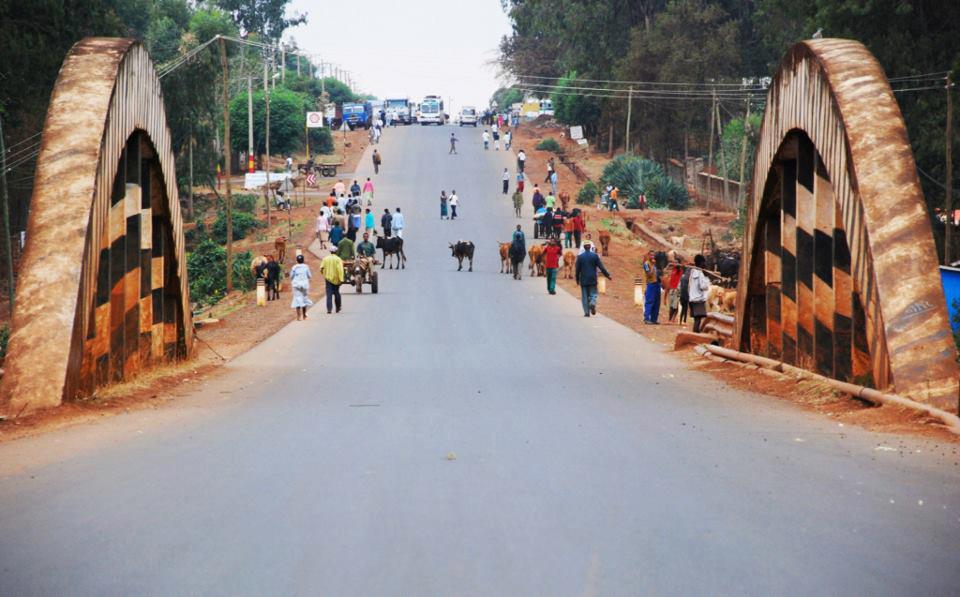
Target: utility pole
(250,164)
(266,166)
(283,63)
(629,114)
(713,125)
(743,154)
(190,182)
(7,245)
(298,64)
(226,155)
(723,158)
(948,193)
(323,88)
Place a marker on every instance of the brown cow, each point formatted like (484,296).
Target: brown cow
(536,260)
(569,259)
(280,245)
(564,200)
(604,242)
(504,258)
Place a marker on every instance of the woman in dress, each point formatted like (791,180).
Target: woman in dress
(368,191)
(323,229)
(300,281)
(443,205)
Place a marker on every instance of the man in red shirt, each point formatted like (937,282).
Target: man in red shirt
(551,260)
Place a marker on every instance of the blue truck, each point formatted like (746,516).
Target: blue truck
(358,115)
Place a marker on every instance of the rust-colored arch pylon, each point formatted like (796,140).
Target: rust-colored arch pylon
(839,271)
(103,289)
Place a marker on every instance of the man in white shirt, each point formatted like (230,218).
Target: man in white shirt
(486,140)
(453,202)
(521,160)
(397,224)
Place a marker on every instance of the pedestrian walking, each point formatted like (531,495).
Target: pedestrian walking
(273,278)
(369,222)
(507,138)
(642,201)
(651,298)
(568,224)
(443,205)
(453,143)
(551,261)
(377,160)
(355,189)
(587,245)
(339,188)
(496,139)
(521,179)
(368,190)
(323,229)
(546,223)
(300,282)
(554,179)
(517,202)
(521,160)
(550,167)
(506,181)
(397,224)
(684,295)
(559,220)
(578,226)
(698,290)
(486,140)
(454,203)
(386,222)
(336,232)
(332,269)
(517,252)
(674,273)
(551,200)
(587,265)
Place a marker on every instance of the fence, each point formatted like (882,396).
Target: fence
(709,188)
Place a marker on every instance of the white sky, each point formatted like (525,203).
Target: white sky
(409,48)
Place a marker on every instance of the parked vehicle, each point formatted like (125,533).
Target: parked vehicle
(431,111)
(358,115)
(468,115)
(398,110)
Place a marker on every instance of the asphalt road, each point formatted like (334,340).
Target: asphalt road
(467,434)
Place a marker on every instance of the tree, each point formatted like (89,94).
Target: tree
(570,107)
(506,97)
(287,113)
(268,18)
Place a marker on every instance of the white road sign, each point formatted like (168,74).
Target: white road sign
(315,120)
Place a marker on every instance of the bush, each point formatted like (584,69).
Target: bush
(588,193)
(206,267)
(243,223)
(549,144)
(633,175)
(245,203)
(321,141)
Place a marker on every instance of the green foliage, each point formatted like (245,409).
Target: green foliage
(287,114)
(572,108)
(243,223)
(732,144)
(267,18)
(246,203)
(321,141)
(550,144)
(588,193)
(207,269)
(633,175)
(4,339)
(506,97)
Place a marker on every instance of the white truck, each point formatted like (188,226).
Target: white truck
(431,111)
(398,110)
(468,115)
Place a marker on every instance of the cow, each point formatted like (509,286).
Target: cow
(564,200)
(729,268)
(536,260)
(504,258)
(280,245)
(392,246)
(604,242)
(462,249)
(569,259)
(678,241)
(257,265)
(728,302)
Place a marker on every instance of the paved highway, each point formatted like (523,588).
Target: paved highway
(466,434)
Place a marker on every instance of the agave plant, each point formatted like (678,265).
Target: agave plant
(633,175)
(666,193)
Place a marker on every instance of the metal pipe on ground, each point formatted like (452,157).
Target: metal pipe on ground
(950,420)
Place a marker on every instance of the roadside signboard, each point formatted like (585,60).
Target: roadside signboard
(315,120)
(576,133)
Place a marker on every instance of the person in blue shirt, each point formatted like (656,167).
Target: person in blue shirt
(336,233)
